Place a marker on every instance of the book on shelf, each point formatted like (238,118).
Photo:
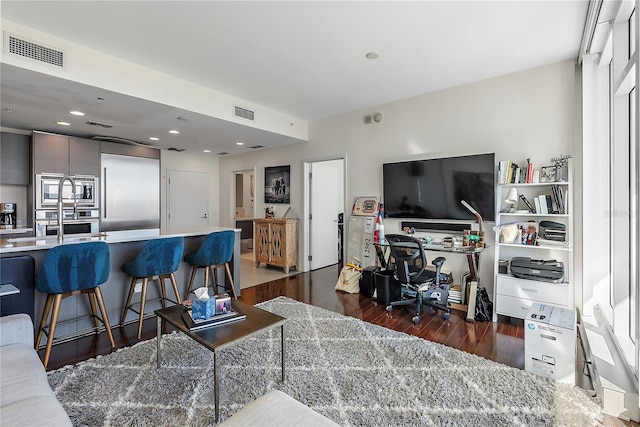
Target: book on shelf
(218,319)
(542,199)
(512,173)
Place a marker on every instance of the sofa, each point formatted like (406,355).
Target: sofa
(26,399)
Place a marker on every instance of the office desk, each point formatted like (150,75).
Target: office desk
(473,260)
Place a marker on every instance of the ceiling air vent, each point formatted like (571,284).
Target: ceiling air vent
(222,153)
(175,149)
(104,125)
(35,51)
(244,113)
(120,140)
(255,147)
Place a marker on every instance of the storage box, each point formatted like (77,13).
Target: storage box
(550,342)
(202,309)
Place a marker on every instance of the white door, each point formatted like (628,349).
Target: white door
(188,201)
(326,202)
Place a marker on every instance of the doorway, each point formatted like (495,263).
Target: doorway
(323,203)
(243,206)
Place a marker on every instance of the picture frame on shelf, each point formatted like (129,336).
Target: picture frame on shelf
(528,233)
(548,174)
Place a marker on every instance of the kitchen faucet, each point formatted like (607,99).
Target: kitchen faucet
(60,205)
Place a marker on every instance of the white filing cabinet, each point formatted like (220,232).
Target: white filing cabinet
(550,342)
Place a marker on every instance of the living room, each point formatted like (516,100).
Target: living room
(530,113)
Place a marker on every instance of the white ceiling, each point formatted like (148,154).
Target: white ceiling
(302,58)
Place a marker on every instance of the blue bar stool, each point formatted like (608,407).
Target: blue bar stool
(215,252)
(67,270)
(159,258)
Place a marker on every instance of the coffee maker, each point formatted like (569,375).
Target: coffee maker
(8,215)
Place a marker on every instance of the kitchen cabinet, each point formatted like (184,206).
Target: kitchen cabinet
(65,155)
(514,296)
(276,242)
(14,161)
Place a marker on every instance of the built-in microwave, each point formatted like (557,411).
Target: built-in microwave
(75,222)
(47,186)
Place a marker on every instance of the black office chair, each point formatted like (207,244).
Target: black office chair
(410,264)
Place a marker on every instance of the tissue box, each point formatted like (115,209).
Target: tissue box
(223,303)
(202,309)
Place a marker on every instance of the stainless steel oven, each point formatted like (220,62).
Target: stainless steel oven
(86,221)
(47,191)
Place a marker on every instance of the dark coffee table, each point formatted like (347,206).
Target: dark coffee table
(220,336)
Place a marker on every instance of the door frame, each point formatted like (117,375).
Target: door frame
(306,204)
(232,192)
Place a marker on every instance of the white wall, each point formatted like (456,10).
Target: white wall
(171,160)
(530,114)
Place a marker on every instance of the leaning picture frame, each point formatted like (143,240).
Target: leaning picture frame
(276,184)
(548,174)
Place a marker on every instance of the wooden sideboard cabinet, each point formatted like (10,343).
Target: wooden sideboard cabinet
(276,242)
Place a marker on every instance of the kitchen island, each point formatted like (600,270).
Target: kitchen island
(123,246)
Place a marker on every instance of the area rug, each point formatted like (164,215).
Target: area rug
(353,372)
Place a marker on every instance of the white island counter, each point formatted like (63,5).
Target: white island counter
(123,246)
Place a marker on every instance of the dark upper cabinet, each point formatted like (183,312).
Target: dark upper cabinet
(50,153)
(14,158)
(65,155)
(84,157)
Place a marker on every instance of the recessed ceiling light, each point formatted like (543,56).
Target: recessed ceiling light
(239,143)
(153,138)
(63,123)
(8,110)
(175,132)
(206,151)
(372,55)
(76,113)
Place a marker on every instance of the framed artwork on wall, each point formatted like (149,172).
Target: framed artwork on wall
(276,184)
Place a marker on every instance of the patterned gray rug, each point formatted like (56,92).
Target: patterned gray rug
(353,372)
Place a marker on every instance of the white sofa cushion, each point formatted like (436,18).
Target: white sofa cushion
(22,374)
(35,411)
(26,399)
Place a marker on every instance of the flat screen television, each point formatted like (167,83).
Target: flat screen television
(433,188)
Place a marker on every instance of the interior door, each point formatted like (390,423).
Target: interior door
(326,202)
(188,201)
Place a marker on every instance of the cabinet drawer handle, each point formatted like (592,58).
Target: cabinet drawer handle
(529,290)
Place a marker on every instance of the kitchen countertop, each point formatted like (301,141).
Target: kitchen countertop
(13,230)
(23,244)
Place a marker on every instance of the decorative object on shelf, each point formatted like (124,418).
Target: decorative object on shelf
(269,212)
(548,174)
(276,184)
(562,167)
(473,238)
(528,233)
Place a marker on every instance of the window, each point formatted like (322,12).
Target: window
(610,99)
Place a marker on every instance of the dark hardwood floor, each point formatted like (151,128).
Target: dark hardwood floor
(502,341)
